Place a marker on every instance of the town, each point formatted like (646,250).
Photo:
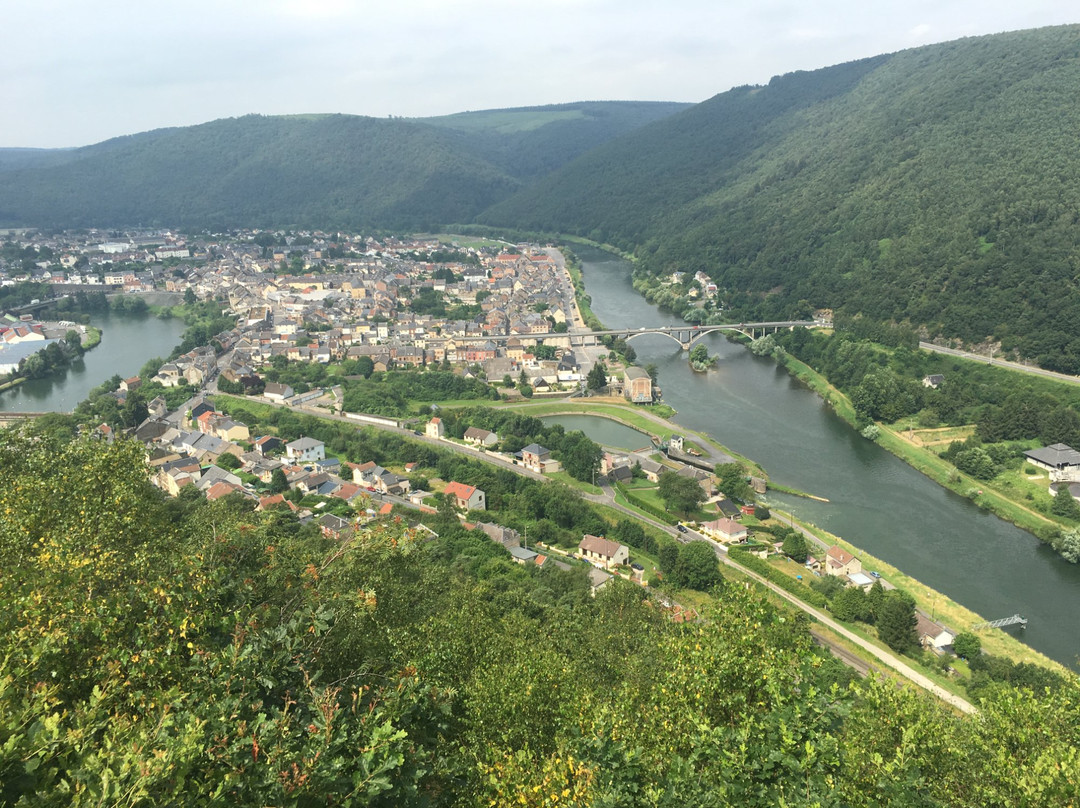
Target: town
(497,314)
(316,297)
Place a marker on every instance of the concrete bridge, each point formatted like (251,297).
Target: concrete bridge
(687,335)
(684,335)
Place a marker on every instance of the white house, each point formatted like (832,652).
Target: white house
(305,450)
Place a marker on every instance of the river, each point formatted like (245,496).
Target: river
(877,502)
(127,342)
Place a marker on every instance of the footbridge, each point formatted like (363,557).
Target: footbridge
(1002,623)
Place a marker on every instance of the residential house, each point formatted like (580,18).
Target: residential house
(466,497)
(435,428)
(725,530)
(932,636)
(278,392)
(839,561)
(334,527)
(1061,460)
(523,555)
(536,458)
(480,437)
(305,450)
(603,552)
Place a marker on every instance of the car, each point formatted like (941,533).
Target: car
(681,528)
(876,574)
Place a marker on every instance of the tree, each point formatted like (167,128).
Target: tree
(668,556)
(189,297)
(795,548)
(230,462)
(967,645)
(762,512)
(697,567)
(580,456)
(279,483)
(1064,505)
(699,355)
(681,494)
(731,480)
(74,342)
(596,378)
(896,621)
(851,603)
(1070,546)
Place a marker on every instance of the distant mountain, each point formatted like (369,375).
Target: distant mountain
(319,170)
(939,185)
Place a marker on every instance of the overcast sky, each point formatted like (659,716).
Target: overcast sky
(75,72)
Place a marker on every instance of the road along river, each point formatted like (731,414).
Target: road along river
(876,501)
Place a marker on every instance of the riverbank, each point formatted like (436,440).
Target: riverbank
(615,409)
(939,606)
(885,505)
(927,462)
(928,600)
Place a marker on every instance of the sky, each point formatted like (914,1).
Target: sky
(76,72)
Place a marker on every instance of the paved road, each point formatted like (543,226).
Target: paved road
(887,658)
(1001,363)
(607,497)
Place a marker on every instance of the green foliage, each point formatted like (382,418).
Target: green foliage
(732,481)
(920,217)
(697,567)
(896,621)
(742,556)
(1064,505)
(795,548)
(195,652)
(316,170)
(596,378)
(967,645)
(229,461)
(681,494)
(390,393)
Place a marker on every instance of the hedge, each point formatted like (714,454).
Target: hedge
(772,574)
(648,507)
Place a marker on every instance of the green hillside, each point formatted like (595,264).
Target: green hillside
(939,185)
(530,142)
(158,651)
(319,170)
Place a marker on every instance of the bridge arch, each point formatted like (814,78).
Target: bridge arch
(632,334)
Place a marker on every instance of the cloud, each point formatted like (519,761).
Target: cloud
(76,73)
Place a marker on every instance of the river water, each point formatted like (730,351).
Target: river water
(877,502)
(127,342)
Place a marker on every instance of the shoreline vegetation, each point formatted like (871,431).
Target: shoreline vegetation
(925,461)
(927,600)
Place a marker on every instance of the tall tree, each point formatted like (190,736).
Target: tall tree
(697,567)
(681,494)
(896,622)
(596,378)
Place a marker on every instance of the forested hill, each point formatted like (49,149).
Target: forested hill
(939,185)
(316,170)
